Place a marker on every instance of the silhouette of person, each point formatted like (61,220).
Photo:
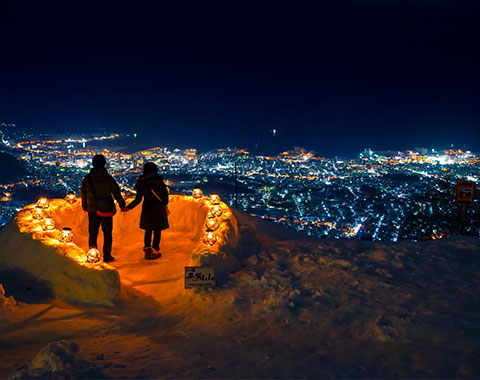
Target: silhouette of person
(151,187)
(96,193)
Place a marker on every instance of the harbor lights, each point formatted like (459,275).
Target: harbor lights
(38,213)
(212,224)
(43,202)
(197,193)
(210,238)
(71,197)
(65,235)
(93,255)
(48,224)
(214,199)
(216,210)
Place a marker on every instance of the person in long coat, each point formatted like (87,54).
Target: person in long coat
(151,188)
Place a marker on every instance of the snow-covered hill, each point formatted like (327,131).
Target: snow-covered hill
(292,307)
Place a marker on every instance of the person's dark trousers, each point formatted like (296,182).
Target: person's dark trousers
(94,222)
(157,234)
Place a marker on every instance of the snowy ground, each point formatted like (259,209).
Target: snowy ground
(298,307)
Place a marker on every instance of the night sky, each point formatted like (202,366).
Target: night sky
(333,76)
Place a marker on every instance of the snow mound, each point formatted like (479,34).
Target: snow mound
(25,247)
(6,302)
(7,305)
(58,360)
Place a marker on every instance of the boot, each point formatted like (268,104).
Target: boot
(155,254)
(148,252)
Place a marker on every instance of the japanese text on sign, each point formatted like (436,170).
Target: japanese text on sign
(199,277)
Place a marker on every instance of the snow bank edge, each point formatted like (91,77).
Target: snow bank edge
(66,278)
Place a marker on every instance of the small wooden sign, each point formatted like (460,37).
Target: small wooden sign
(465,192)
(199,277)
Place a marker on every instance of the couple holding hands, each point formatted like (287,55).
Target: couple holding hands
(97,192)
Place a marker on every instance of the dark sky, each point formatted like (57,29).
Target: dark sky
(334,76)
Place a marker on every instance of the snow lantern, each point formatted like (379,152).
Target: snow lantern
(197,193)
(71,197)
(214,199)
(43,202)
(65,235)
(216,210)
(210,238)
(212,224)
(38,213)
(93,255)
(48,224)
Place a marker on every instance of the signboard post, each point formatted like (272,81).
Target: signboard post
(464,193)
(200,277)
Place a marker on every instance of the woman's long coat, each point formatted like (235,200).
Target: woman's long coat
(154,212)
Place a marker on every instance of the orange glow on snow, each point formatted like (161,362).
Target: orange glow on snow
(198,230)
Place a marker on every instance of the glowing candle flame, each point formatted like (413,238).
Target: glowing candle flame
(65,235)
(43,202)
(48,224)
(216,210)
(197,193)
(93,255)
(210,238)
(71,197)
(38,213)
(214,199)
(212,224)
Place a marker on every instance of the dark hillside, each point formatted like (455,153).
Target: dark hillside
(11,168)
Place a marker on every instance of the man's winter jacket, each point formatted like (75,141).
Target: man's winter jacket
(105,186)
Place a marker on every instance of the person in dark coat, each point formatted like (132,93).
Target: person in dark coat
(104,186)
(151,187)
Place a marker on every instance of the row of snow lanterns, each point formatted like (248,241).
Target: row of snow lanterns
(66,234)
(215,211)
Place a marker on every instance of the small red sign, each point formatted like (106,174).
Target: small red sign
(465,192)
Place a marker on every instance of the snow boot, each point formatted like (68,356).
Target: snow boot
(155,253)
(148,252)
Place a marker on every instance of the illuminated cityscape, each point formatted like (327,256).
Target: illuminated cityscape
(388,196)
